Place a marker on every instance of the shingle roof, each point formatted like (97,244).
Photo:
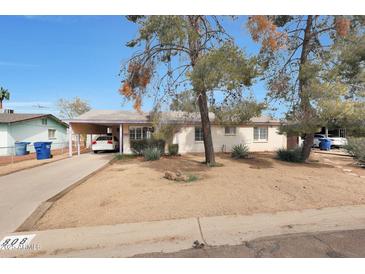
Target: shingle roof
(264,119)
(112,115)
(6,118)
(182,116)
(18,117)
(119,116)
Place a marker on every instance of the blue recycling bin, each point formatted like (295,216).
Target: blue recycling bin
(21,148)
(43,150)
(325,144)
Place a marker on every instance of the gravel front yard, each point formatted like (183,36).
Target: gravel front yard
(135,191)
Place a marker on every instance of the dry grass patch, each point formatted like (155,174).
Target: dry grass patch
(135,190)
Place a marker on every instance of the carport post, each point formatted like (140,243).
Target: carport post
(120,138)
(70,141)
(78,144)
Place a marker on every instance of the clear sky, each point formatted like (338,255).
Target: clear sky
(44,58)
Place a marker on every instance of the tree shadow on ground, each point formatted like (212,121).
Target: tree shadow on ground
(176,163)
(255,160)
(310,164)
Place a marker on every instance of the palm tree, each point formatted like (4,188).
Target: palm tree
(4,95)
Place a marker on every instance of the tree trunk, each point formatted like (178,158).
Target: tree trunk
(1,104)
(307,145)
(305,105)
(195,48)
(207,135)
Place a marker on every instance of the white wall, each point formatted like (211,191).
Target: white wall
(126,143)
(244,135)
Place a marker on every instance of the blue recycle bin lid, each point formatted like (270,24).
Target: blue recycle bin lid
(23,143)
(40,144)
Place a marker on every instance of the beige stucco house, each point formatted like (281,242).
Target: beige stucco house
(260,134)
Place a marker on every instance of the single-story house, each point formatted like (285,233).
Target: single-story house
(259,134)
(21,127)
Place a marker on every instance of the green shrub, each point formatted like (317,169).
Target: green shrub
(120,157)
(290,155)
(138,146)
(192,178)
(151,154)
(173,149)
(239,151)
(356,148)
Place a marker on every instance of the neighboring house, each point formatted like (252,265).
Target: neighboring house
(260,134)
(19,127)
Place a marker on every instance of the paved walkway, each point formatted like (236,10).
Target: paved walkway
(22,192)
(126,240)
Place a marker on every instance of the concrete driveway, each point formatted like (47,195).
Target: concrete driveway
(22,192)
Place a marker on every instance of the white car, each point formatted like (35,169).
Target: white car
(105,143)
(336,141)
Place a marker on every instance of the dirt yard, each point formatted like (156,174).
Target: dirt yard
(135,191)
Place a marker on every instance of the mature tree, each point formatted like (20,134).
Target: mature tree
(298,56)
(72,108)
(234,112)
(4,95)
(194,52)
(184,101)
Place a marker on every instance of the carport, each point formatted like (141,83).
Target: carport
(94,128)
(100,122)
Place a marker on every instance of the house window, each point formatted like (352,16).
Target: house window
(44,121)
(260,134)
(51,134)
(198,134)
(230,131)
(139,133)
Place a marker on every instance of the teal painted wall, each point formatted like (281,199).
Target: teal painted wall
(4,137)
(34,131)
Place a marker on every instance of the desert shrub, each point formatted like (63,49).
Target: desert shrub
(138,146)
(173,149)
(239,151)
(192,178)
(356,148)
(151,154)
(121,157)
(290,155)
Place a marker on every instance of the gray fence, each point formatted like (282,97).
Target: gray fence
(7,154)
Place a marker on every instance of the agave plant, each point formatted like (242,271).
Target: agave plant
(239,151)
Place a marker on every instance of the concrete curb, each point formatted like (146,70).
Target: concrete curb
(37,214)
(234,230)
(126,240)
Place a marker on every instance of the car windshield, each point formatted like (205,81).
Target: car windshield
(104,138)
